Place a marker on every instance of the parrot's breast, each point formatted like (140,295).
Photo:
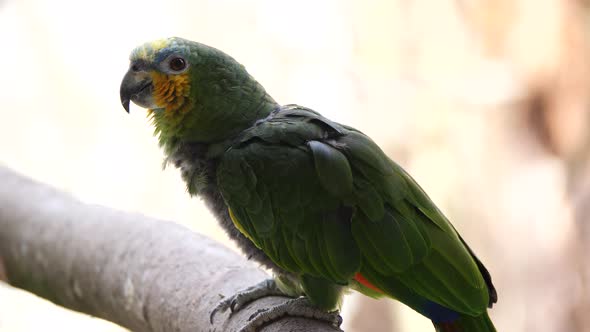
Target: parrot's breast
(199,172)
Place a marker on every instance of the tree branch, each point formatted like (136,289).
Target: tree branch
(141,273)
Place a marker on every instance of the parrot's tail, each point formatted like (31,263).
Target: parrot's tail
(465,323)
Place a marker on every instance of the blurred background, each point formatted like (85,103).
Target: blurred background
(485,102)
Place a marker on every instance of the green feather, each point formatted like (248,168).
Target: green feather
(332,168)
(321,199)
(394,229)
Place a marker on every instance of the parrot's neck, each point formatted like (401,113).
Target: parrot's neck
(218,112)
(173,133)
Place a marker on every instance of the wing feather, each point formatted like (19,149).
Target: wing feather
(323,200)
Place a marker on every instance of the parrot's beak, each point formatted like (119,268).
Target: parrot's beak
(137,87)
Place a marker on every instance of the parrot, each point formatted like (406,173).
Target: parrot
(316,202)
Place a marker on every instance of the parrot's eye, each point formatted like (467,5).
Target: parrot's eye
(177,64)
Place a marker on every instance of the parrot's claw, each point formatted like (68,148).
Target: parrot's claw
(299,307)
(236,302)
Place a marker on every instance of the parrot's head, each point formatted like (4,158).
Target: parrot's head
(193,91)
(159,75)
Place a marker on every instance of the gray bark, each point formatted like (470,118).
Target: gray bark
(141,273)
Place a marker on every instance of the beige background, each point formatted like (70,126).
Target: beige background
(484,102)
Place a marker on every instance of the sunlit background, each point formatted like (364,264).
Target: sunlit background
(485,102)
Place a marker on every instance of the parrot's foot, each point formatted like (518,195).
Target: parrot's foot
(236,302)
(299,307)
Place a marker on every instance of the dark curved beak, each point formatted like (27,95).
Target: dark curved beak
(136,87)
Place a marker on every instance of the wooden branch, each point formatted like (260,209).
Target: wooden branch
(141,273)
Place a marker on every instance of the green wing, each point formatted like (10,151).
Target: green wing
(322,199)
(270,182)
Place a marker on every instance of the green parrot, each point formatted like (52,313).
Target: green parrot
(315,201)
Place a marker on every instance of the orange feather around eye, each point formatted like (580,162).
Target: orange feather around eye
(171,92)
